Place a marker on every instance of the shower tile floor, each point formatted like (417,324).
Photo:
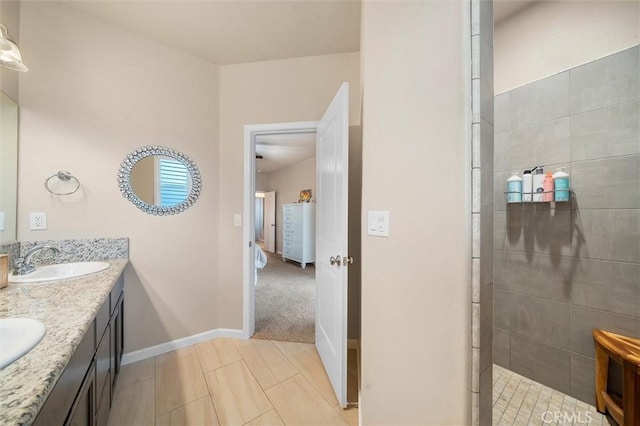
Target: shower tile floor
(521,401)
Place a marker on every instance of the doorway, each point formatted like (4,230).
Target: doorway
(331,232)
(252,133)
(285,290)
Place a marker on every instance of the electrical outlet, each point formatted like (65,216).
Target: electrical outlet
(38,221)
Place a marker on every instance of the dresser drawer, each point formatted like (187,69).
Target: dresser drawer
(294,246)
(292,253)
(294,229)
(292,236)
(292,214)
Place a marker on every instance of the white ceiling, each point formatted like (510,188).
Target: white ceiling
(283,150)
(237,31)
(503,9)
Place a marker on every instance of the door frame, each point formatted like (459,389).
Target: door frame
(248,257)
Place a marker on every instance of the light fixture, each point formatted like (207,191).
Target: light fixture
(9,53)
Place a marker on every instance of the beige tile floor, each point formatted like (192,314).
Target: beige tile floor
(229,382)
(263,382)
(521,401)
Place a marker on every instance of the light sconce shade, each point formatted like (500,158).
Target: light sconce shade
(9,53)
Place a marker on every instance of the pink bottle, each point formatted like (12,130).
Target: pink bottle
(548,187)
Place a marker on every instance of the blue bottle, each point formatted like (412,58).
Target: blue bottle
(561,182)
(514,189)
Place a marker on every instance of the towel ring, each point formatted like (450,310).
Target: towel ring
(64,176)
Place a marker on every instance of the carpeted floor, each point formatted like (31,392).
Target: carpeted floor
(285,301)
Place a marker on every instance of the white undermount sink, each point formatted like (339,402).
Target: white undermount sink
(61,271)
(17,337)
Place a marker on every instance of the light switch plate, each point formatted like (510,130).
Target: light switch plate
(378,224)
(237,220)
(2,220)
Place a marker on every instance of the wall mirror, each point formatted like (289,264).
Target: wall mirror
(8,168)
(159,180)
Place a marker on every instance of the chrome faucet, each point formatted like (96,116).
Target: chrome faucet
(23,265)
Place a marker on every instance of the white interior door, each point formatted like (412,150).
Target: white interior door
(331,240)
(270,221)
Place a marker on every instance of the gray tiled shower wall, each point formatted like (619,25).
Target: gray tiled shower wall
(559,273)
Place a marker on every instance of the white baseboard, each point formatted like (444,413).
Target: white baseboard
(162,348)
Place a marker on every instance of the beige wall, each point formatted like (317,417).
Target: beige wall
(549,37)
(85,105)
(266,92)
(416,164)
(262,181)
(288,183)
(10,18)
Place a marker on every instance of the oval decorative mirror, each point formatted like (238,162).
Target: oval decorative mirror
(159,180)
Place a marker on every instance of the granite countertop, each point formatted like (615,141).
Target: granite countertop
(67,308)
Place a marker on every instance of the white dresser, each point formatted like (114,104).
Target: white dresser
(299,235)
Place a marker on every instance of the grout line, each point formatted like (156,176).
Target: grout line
(571,257)
(311,382)
(509,402)
(213,405)
(627,316)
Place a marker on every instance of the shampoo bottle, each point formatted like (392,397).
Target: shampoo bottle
(538,185)
(514,189)
(548,187)
(561,180)
(527,186)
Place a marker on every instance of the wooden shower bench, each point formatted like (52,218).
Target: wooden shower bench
(625,351)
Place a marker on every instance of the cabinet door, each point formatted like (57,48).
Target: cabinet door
(104,404)
(84,407)
(61,399)
(103,363)
(117,334)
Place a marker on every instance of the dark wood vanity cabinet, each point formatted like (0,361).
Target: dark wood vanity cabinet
(83,408)
(83,394)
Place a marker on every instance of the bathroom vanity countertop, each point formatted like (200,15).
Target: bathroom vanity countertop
(67,308)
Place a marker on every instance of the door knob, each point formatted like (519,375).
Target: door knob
(335,260)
